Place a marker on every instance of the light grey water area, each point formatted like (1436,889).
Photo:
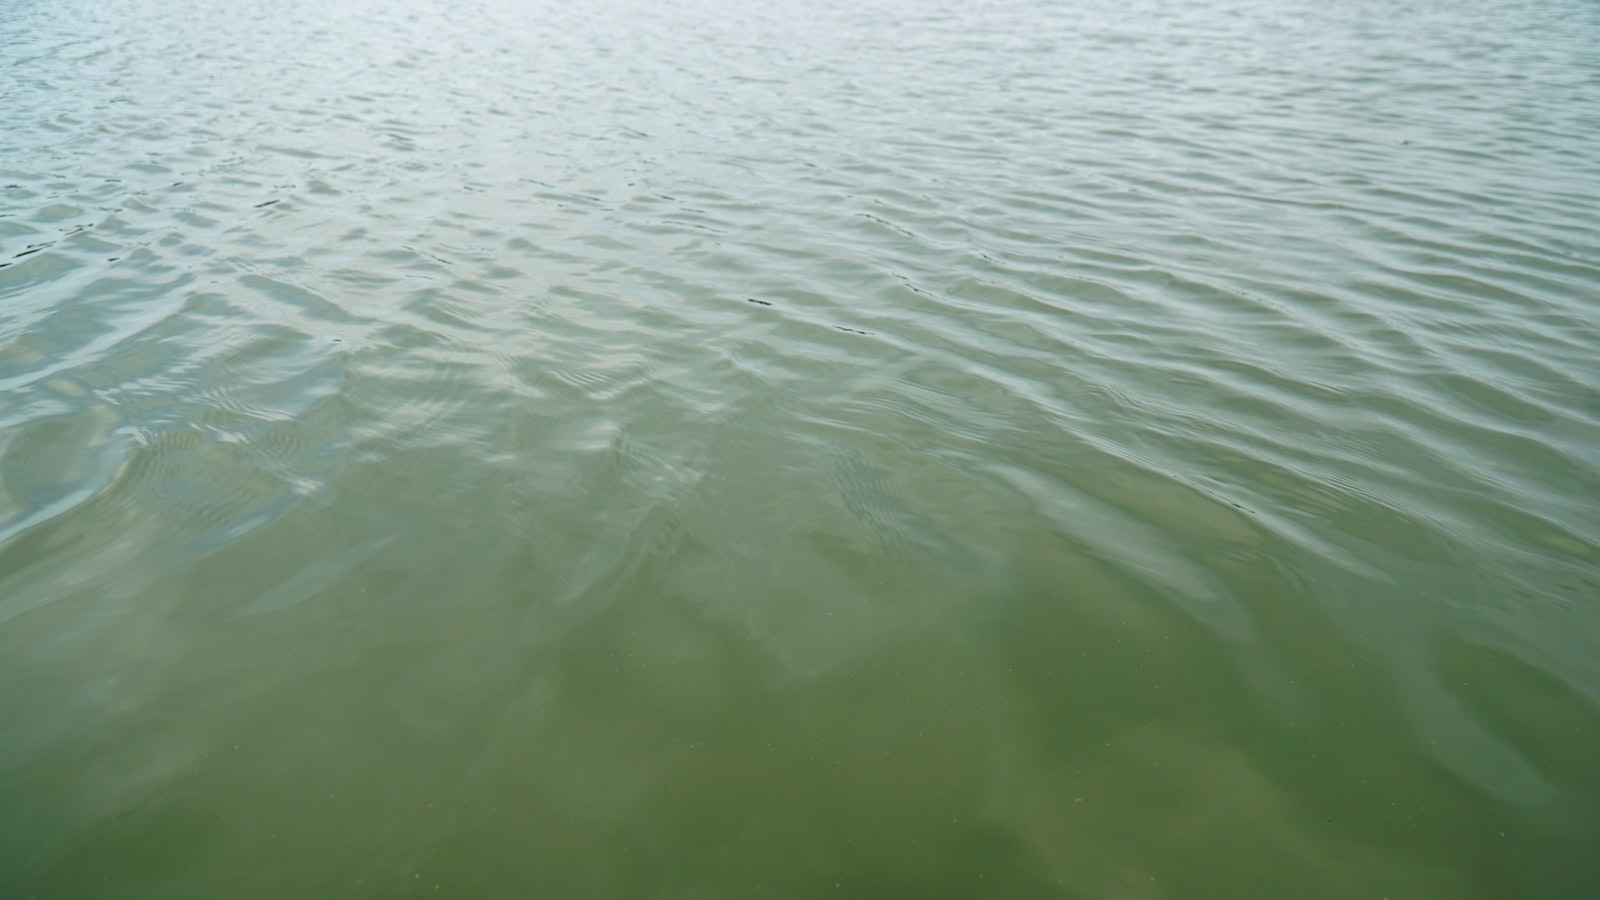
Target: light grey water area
(888,448)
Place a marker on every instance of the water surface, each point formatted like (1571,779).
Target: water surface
(890,448)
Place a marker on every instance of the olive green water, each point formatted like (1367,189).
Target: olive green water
(872,449)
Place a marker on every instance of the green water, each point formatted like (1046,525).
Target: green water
(879,449)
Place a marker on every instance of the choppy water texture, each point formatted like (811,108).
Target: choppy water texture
(871,449)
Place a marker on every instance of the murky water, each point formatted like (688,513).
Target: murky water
(723,449)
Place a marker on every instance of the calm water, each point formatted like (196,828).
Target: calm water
(881,448)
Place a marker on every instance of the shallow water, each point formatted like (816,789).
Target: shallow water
(710,449)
